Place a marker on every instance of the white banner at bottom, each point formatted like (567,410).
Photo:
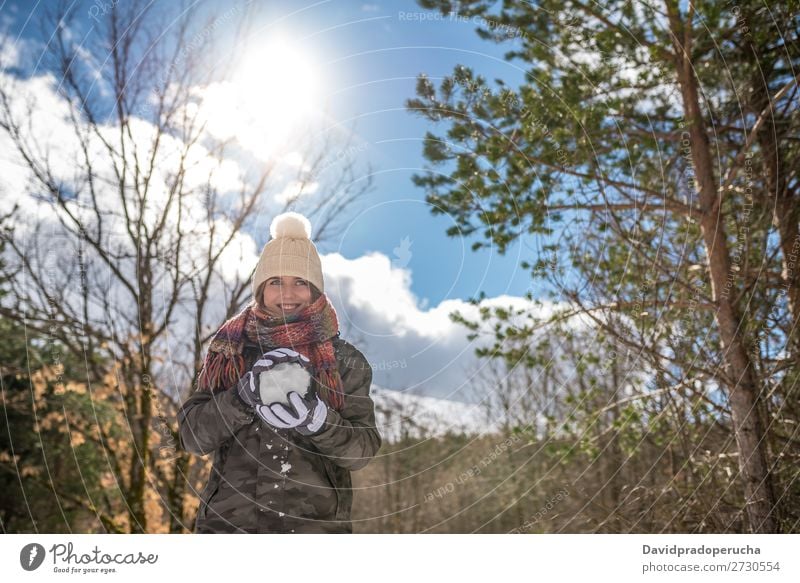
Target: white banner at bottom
(418,558)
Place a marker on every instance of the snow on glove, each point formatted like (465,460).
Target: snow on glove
(281,375)
(307,415)
(280,371)
(276,374)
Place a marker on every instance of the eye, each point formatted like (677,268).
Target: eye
(302,282)
(274,281)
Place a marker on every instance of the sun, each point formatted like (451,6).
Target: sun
(275,87)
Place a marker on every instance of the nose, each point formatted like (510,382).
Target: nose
(287,295)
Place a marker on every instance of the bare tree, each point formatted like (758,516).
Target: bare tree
(131,267)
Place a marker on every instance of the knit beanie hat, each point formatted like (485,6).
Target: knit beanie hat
(289,252)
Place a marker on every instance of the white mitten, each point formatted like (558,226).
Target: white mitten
(307,415)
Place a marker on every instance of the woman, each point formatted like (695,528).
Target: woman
(281,468)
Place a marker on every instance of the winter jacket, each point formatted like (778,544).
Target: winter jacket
(268,480)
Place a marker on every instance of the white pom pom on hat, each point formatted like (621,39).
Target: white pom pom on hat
(290,224)
(289,252)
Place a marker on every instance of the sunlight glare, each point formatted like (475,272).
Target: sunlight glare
(275,87)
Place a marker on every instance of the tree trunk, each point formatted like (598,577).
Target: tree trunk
(743,394)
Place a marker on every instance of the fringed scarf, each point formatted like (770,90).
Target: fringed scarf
(309,331)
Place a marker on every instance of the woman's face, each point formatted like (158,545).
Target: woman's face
(286,295)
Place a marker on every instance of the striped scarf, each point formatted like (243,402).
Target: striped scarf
(309,331)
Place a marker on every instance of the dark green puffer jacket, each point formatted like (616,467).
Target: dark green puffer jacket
(268,480)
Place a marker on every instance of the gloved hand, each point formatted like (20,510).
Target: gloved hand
(253,390)
(247,389)
(276,388)
(306,415)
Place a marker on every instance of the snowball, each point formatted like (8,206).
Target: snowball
(276,383)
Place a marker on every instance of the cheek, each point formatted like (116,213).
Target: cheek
(270,295)
(305,293)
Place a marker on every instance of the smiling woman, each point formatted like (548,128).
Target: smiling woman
(283,402)
(274,87)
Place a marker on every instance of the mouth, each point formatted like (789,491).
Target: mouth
(288,307)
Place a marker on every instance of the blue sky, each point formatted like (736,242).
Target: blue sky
(391,297)
(371,54)
(373,65)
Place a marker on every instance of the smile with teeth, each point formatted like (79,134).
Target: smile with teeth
(288,306)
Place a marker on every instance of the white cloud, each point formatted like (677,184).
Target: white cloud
(9,52)
(50,133)
(409,347)
(294,159)
(295,188)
